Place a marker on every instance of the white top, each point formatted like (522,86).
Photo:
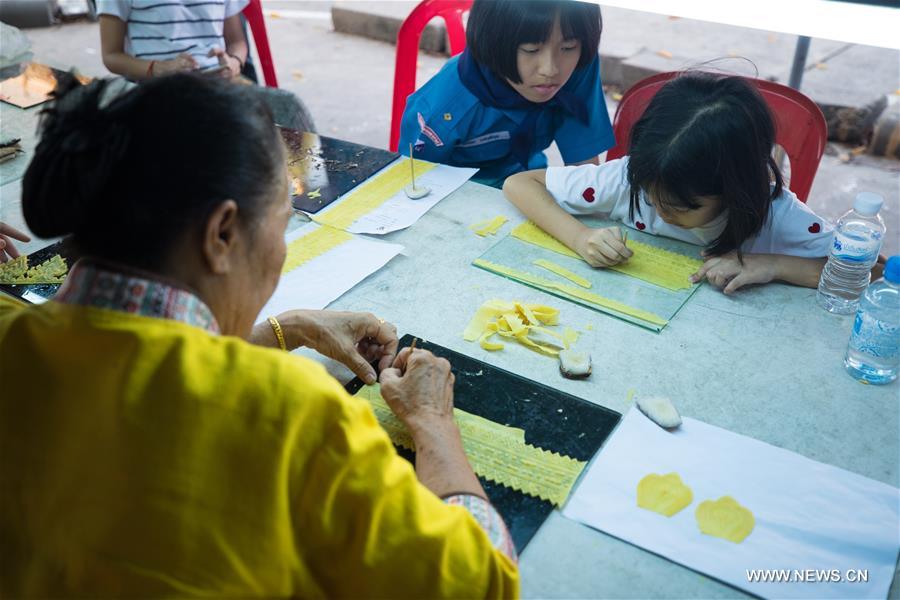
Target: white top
(163,29)
(791,228)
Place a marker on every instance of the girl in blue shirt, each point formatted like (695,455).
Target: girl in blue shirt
(530,75)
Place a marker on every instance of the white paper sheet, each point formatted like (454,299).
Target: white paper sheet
(323,279)
(398,211)
(808,515)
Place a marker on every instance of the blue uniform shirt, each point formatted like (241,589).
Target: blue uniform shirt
(448,124)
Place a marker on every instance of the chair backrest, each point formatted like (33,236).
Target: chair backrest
(254,15)
(800,127)
(408,50)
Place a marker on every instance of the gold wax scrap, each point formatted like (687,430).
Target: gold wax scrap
(512,320)
(575,292)
(489,227)
(313,244)
(371,194)
(725,518)
(562,272)
(663,494)
(496,452)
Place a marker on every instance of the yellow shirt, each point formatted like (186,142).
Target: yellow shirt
(144,456)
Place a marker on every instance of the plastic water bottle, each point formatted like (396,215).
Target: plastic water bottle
(857,240)
(873,355)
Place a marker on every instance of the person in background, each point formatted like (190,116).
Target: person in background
(141,39)
(529,76)
(174,448)
(699,169)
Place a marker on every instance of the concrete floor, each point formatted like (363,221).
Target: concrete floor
(346,82)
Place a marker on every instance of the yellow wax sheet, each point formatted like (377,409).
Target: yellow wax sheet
(311,245)
(520,322)
(16,271)
(570,290)
(489,227)
(649,263)
(725,518)
(496,452)
(562,272)
(371,194)
(663,494)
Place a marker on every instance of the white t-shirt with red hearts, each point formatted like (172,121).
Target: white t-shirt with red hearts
(791,228)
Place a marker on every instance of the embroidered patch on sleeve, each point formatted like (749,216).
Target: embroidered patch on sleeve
(429,132)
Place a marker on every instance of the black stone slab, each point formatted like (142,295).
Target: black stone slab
(552,420)
(328,167)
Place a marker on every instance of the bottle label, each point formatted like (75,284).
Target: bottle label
(874,337)
(855,249)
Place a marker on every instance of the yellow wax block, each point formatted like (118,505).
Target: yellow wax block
(531,233)
(313,244)
(562,272)
(496,452)
(663,494)
(16,271)
(575,292)
(657,266)
(489,227)
(725,518)
(371,194)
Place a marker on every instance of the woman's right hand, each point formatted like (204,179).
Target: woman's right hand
(602,247)
(182,62)
(419,389)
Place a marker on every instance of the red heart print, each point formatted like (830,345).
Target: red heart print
(588,195)
(639,225)
(815,228)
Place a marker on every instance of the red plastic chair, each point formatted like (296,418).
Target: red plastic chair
(408,50)
(254,15)
(799,125)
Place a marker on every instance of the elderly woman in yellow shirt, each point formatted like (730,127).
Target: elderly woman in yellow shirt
(150,445)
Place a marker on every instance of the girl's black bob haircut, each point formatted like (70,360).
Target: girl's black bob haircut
(706,134)
(496,28)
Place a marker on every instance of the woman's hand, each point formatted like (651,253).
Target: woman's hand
(182,62)
(419,389)
(226,60)
(7,235)
(354,339)
(726,272)
(602,247)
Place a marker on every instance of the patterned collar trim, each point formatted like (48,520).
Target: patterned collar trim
(90,284)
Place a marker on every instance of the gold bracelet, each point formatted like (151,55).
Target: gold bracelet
(279,333)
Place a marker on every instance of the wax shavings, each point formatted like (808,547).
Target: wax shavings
(523,323)
(496,452)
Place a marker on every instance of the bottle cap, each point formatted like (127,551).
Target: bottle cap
(892,269)
(868,203)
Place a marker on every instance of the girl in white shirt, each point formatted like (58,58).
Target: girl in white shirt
(699,169)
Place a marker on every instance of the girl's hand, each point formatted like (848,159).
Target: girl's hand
(727,272)
(182,62)
(602,247)
(226,60)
